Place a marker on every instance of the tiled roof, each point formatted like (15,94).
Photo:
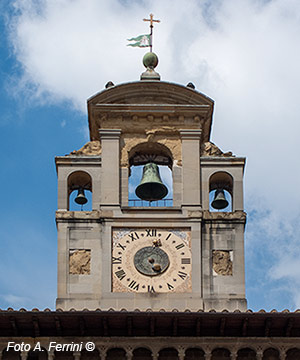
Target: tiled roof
(36,323)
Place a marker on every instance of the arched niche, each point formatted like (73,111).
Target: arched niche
(116,354)
(89,355)
(221,181)
(220,354)
(246,354)
(271,354)
(139,156)
(168,354)
(79,180)
(63,355)
(293,354)
(142,354)
(194,354)
(10,355)
(38,355)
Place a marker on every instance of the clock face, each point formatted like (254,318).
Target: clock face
(151,260)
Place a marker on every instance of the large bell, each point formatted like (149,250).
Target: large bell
(80,198)
(151,187)
(219,201)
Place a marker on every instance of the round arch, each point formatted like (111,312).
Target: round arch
(149,151)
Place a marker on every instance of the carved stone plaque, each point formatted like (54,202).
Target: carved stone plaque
(80,262)
(222,263)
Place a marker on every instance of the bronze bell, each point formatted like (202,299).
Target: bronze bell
(80,198)
(151,187)
(219,201)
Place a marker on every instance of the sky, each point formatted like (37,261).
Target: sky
(55,54)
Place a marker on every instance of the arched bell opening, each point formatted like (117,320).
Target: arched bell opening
(79,191)
(150,181)
(221,192)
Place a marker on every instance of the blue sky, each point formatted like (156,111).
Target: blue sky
(55,54)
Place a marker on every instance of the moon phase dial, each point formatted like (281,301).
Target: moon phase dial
(151,261)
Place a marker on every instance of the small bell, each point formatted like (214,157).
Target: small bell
(151,187)
(219,201)
(80,198)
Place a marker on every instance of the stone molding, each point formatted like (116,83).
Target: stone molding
(109,134)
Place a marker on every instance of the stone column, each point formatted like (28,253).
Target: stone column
(129,354)
(102,353)
(110,167)
(24,355)
(282,354)
(259,355)
(207,354)
(155,356)
(233,355)
(191,167)
(51,355)
(76,355)
(181,353)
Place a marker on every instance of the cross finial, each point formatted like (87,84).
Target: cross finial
(151,28)
(151,20)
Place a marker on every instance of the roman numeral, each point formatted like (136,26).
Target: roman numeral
(123,247)
(182,275)
(151,232)
(133,236)
(117,260)
(170,287)
(120,274)
(151,289)
(133,285)
(179,246)
(168,237)
(185,261)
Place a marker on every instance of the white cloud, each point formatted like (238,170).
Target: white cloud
(244,54)
(14,301)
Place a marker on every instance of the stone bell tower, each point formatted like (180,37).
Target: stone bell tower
(176,254)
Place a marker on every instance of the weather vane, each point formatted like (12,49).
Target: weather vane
(145,40)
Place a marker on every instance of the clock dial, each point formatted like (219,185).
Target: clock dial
(151,260)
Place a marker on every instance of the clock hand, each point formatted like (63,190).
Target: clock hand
(156,267)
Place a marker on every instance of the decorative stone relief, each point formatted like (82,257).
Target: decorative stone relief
(222,263)
(80,262)
(90,148)
(210,149)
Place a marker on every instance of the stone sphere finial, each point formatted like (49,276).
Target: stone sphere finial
(150,60)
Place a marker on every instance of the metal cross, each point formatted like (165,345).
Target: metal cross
(151,28)
(151,20)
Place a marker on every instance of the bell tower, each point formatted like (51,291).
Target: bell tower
(150,253)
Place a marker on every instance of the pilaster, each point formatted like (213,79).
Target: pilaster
(110,172)
(191,167)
